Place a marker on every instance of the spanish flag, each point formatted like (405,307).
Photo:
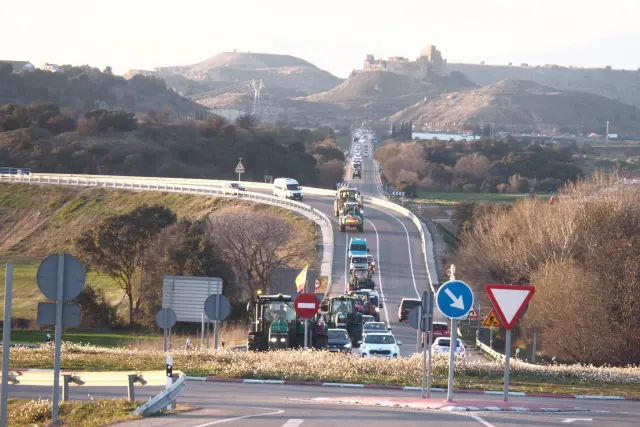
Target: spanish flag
(301,280)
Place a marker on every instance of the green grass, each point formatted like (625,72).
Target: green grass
(95,413)
(100,339)
(453,197)
(26,293)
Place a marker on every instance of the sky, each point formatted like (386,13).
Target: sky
(334,35)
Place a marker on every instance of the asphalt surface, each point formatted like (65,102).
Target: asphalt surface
(279,405)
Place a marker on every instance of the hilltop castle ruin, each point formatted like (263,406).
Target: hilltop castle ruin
(430,60)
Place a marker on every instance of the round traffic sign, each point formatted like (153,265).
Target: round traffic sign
(166,318)
(317,283)
(217,307)
(454,299)
(72,279)
(306,305)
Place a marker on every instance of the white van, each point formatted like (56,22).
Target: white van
(287,188)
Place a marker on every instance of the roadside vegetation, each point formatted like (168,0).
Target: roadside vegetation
(581,252)
(93,413)
(320,366)
(492,167)
(47,138)
(130,240)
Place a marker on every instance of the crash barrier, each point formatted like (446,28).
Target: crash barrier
(165,399)
(212,187)
(128,379)
(488,350)
(190,186)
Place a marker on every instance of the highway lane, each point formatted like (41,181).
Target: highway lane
(275,405)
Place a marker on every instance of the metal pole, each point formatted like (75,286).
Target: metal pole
(170,338)
(479,316)
(164,339)
(6,340)
(306,333)
(491,337)
(58,338)
(430,345)
(507,355)
(421,326)
(216,323)
(208,333)
(535,341)
(202,332)
(453,345)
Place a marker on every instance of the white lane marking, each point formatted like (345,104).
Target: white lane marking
(485,423)
(226,420)
(413,277)
(384,307)
(572,420)
(292,423)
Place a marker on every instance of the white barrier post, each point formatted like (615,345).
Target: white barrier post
(169,372)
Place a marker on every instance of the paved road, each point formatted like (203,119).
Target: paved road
(276,406)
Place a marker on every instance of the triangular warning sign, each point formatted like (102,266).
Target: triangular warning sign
(473,313)
(491,321)
(240,167)
(509,301)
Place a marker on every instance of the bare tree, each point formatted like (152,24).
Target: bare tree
(473,167)
(256,241)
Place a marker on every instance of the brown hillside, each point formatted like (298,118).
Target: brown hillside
(517,104)
(621,85)
(387,92)
(276,71)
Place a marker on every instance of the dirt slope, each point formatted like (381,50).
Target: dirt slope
(518,104)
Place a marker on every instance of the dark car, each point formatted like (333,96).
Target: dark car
(339,340)
(237,186)
(405,307)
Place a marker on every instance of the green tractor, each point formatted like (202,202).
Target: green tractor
(275,326)
(351,217)
(344,195)
(341,312)
(361,278)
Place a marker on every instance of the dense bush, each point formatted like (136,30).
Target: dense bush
(583,255)
(435,165)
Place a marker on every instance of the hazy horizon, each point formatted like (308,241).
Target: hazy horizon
(336,38)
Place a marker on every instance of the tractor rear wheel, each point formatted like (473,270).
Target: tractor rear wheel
(257,342)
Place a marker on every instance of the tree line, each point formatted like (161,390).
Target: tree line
(582,253)
(242,244)
(46,138)
(486,166)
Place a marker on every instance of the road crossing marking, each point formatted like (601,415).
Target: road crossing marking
(292,423)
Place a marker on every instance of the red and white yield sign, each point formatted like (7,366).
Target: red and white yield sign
(509,301)
(306,305)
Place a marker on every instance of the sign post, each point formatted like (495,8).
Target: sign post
(426,309)
(217,307)
(239,169)
(61,278)
(509,302)
(165,319)
(6,340)
(306,306)
(455,300)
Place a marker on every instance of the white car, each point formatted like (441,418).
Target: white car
(380,345)
(442,345)
(358,262)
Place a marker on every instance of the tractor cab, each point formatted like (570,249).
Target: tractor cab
(341,312)
(361,278)
(274,317)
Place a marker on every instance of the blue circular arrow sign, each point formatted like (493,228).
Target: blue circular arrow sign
(454,299)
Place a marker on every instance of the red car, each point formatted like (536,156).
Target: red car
(440,329)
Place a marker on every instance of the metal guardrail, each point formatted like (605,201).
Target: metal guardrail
(191,187)
(488,350)
(44,377)
(164,399)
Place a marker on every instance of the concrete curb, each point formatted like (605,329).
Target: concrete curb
(394,387)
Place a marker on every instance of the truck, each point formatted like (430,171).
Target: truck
(341,312)
(275,325)
(351,217)
(345,194)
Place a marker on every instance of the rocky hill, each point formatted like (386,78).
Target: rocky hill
(621,85)
(518,104)
(81,89)
(279,73)
(383,91)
